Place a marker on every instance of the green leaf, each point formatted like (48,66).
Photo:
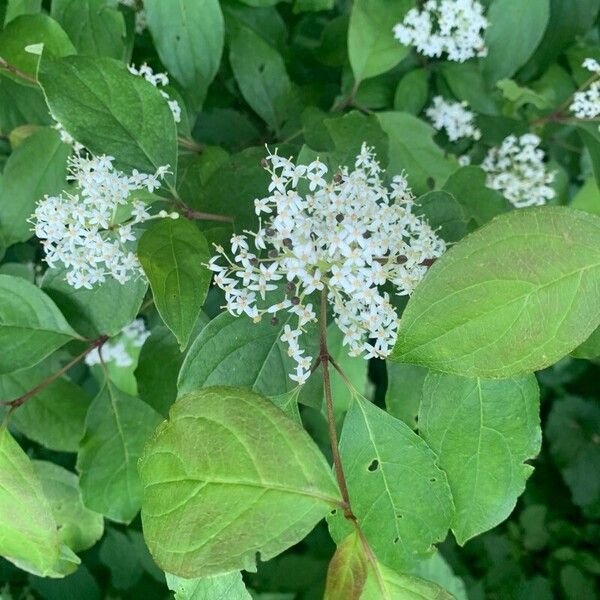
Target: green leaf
(385,584)
(437,570)
(94,27)
(117,427)
(15,8)
(590,348)
(482,432)
(467,83)
(413,150)
(404,391)
(27,30)
(158,367)
(261,75)
(372,47)
(188,35)
(573,431)
(78,527)
(513,297)
(510,47)
(30,325)
(588,197)
(104,310)
(347,572)
(412,92)
(55,416)
(207,513)
(220,587)
(28,534)
(119,554)
(443,213)
(397,491)
(480,204)
(236,351)
(590,135)
(38,166)
(110,111)
(173,254)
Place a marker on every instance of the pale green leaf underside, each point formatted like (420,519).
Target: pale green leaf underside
(227,477)
(28,531)
(482,431)
(513,297)
(389,585)
(220,587)
(397,491)
(30,325)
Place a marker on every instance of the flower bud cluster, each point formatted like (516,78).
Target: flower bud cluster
(158,80)
(454,118)
(517,170)
(115,350)
(586,103)
(454,27)
(346,235)
(79,228)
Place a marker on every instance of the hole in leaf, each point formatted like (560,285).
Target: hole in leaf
(396,540)
(261,68)
(334,512)
(399,516)
(374,465)
(433,480)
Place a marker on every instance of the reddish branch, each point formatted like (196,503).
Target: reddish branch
(16,72)
(13,404)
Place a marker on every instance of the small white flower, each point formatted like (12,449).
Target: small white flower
(453,27)
(454,118)
(517,170)
(158,79)
(586,103)
(349,236)
(115,349)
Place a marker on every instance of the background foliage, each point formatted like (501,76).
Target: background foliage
(312,77)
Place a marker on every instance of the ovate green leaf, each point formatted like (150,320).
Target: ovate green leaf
(511,298)
(397,491)
(116,429)
(372,47)
(173,254)
(28,534)
(27,30)
(482,432)
(104,310)
(94,27)
(413,150)
(510,47)
(37,167)
(78,527)
(189,38)
(31,327)
(110,111)
(259,485)
(55,416)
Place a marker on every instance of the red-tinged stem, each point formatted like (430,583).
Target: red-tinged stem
(97,343)
(6,66)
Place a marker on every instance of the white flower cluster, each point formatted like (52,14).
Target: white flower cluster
(454,27)
(140,15)
(518,171)
(77,229)
(158,80)
(115,350)
(586,103)
(454,118)
(347,236)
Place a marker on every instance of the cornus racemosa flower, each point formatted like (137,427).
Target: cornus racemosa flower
(586,103)
(79,228)
(345,235)
(454,118)
(116,350)
(517,170)
(454,27)
(158,80)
